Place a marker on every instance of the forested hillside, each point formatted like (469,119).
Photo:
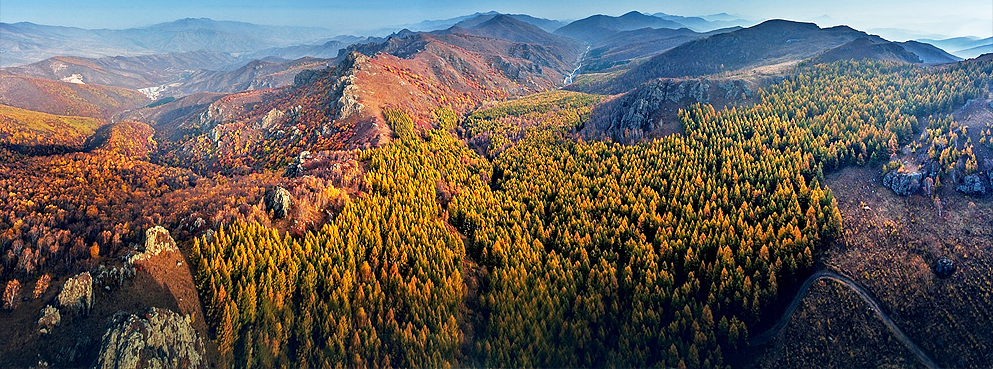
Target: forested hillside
(567,253)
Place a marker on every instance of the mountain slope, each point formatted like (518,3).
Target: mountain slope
(27,130)
(130,72)
(511,29)
(598,27)
(768,43)
(928,53)
(62,98)
(255,75)
(469,21)
(866,49)
(620,48)
(174,74)
(546,25)
(342,108)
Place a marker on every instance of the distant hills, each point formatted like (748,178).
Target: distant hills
(134,72)
(173,74)
(71,99)
(865,48)
(928,53)
(707,23)
(768,43)
(621,48)
(24,43)
(598,27)
(513,29)
(327,50)
(468,21)
(472,58)
(964,47)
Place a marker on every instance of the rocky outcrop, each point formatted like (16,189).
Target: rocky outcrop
(50,318)
(158,339)
(904,183)
(297,166)
(944,267)
(279,201)
(77,294)
(157,241)
(308,76)
(643,110)
(973,185)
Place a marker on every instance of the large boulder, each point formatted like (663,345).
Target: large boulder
(903,183)
(77,294)
(944,267)
(50,318)
(158,339)
(157,241)
(296,167)
(972,185)
(279,201)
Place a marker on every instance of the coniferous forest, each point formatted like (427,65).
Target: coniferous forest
(564,253)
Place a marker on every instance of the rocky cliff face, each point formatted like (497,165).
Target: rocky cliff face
(973,185)
(904,184)
(157,241)
(77,294)
(279,201)
(158,339)
(50,318)
(643,111)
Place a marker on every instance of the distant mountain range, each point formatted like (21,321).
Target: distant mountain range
(598,27)
(266,81)
(867,48)
(634,48)
(548,25)
(768,43)
(621,48)
(24,43)
(709,23)
(173,74)
(964,47)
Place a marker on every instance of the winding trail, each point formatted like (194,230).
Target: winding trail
(827,274)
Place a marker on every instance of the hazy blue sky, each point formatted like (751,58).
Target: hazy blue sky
(953,18)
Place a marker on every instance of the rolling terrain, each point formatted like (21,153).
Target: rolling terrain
(498,190)
(64,98)
(964,47)
(771,42)
(621,48)
(171,75)
(341,108)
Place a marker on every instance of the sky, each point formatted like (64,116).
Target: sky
(923,17)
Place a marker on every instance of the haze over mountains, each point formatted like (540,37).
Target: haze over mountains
(636,47)
(24,43)
(471,56)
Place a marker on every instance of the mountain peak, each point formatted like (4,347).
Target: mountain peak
(783,23)
(504,19)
